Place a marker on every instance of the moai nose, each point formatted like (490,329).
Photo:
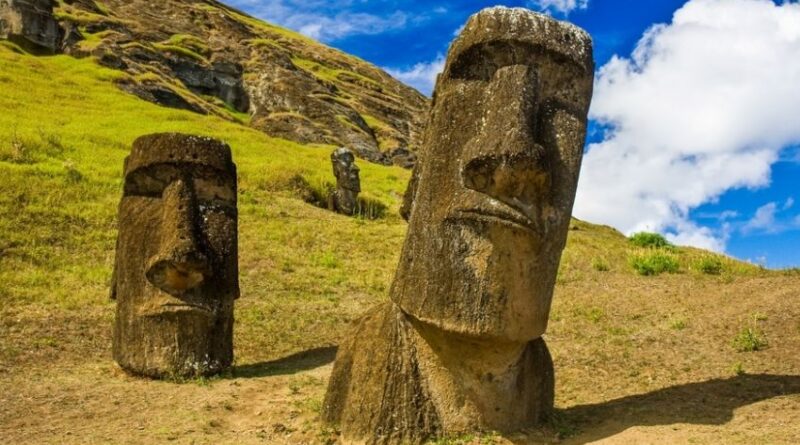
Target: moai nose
(505,160)
(180,264)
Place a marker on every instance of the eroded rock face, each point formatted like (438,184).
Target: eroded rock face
(30,22)
(209,58)
(348,183)
(223,79)
(176,270)
(460,348)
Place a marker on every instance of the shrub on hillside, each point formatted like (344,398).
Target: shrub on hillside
(750,339)
(654,263)
(649,239)
(710,265)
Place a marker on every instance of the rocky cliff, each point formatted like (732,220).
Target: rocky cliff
(207,57)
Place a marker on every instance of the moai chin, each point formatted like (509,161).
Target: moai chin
(348,185)
(459,347)
(176,272)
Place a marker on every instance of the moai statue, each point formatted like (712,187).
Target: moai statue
(348,185)
(459,347)
(176,273)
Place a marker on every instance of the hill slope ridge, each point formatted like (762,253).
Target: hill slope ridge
(210,58)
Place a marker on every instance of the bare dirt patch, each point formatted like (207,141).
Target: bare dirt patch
(638,360)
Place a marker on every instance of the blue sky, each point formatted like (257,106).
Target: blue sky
(696,115)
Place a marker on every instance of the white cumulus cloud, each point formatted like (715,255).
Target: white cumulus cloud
(763,220)
(703,105)
(421,76)
(560,6)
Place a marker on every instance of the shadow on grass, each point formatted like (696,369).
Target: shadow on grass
(704,403)
(301,361)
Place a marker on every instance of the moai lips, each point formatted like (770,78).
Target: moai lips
(459,348)
(176,269)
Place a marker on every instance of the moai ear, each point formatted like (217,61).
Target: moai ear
(113,292)
(411,191)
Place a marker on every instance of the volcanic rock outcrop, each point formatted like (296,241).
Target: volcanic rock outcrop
(459,347)
(206,57)
(176,273)
(30,23)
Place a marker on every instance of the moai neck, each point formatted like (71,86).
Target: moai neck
(486,375)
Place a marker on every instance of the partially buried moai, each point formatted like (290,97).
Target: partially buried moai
(459,347)
(176,271)
(348,184)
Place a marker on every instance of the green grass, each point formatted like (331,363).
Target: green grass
(64,11)
(330,74)
(710,265)
(263,42)
(190,42)
(92,41)
(648,239)
(654,263)
(600,264)
(678,324)
(385,134)
(750,339)
(180,50)
(468,439)
(65,132)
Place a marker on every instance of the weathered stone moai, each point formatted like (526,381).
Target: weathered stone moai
(176,273)
(30,22)
(459,347)
(348,184)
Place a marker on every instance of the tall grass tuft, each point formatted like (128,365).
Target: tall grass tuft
(710,265)
(654,263)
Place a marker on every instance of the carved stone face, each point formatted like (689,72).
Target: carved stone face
(346,170)
(176,271)
(498,174)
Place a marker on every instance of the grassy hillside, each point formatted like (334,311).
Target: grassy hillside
(180,53)
(707,354)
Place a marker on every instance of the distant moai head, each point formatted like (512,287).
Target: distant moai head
(176,272)
(498,174)
(348,183)
(346,170)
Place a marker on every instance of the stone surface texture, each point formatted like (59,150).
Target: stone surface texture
(176,270)
(348,184)
(459,347)
(30,22)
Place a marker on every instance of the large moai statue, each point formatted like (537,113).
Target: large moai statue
(348,184)
(176,273)
(459,347)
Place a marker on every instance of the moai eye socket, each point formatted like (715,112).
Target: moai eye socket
(492,56)
(217,192)
(150,181)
